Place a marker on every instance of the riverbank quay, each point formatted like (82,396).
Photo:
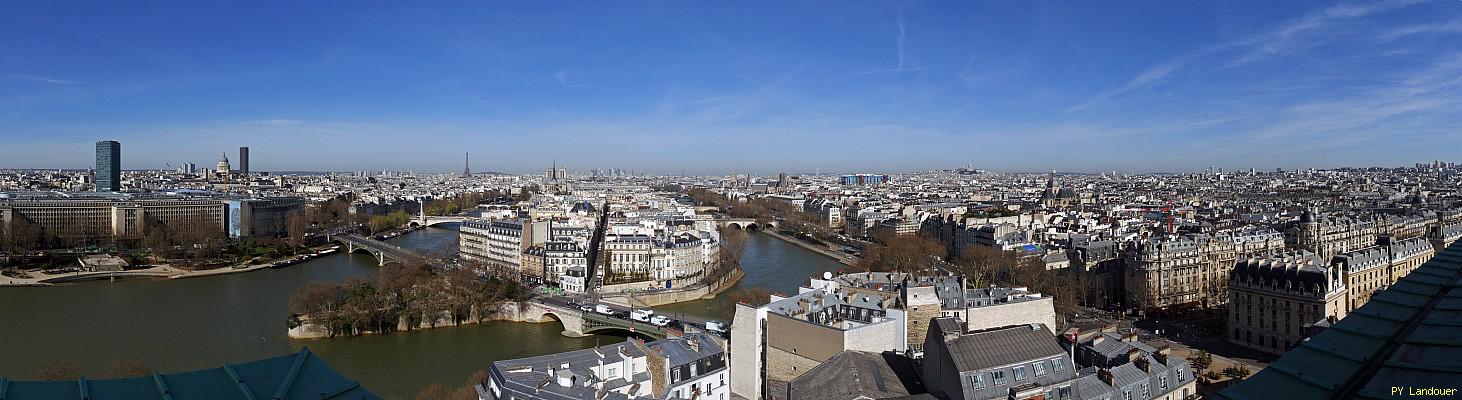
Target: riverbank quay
(823,250)
(660,298)
(162,271)
(510,311)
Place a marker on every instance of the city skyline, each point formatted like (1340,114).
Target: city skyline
(759,88)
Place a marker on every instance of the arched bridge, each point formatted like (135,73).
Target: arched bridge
(384,252)
(578,323)
(433,220)
(743,223)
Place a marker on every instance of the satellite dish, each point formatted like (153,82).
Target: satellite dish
(827,275)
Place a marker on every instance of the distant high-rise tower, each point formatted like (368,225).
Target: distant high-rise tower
(467,165)
(244,160)
(108,166)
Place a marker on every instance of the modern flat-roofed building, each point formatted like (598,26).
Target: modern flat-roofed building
(71,220)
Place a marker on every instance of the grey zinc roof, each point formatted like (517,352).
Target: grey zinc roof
(1113,346)
(850,375)
(1407,335)
(1002,346)
(679,352)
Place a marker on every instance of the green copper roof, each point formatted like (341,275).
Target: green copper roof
(297,376)
(1408,336)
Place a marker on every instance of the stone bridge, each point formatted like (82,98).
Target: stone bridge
(384,252)
(579,323)
(744,223)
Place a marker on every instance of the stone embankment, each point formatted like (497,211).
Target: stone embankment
(508,311)
(824,250)
(679,296)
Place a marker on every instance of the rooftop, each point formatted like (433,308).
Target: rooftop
(1405,336)
(298,376)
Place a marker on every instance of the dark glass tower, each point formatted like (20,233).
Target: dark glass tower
(244,160)
(108,166)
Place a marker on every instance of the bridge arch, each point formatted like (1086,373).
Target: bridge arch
(617,331)
(552,316)
(743,225)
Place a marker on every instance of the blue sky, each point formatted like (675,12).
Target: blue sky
(745,86)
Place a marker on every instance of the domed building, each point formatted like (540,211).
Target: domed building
(1057,197)
(223,167)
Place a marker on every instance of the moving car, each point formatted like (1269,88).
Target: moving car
(642,315)
(603,309)
(660,321)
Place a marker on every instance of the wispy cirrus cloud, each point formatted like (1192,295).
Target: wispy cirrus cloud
(1453,26)
(1280,39)
(42,79)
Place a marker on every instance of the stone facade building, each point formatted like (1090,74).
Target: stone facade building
(1191,270)
(1372,269)
(1327,236)
(1274,302)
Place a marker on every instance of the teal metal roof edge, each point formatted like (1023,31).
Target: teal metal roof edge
(162,387)
(1432,279)
(294,371)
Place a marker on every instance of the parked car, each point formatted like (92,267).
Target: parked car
(642,315)
(603,309)
(660,321)
(716,326)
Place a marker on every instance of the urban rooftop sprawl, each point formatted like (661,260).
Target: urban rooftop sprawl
(959,283)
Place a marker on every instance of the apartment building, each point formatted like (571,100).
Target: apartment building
(1274,301)
(1193,269)
(500,243)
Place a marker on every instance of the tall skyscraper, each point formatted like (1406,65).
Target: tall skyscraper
(467,165)
(108,166)
(244,160)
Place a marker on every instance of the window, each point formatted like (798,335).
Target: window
(1039,367)
(613,372)
(999,377)
(1126,395)
(1180,375)
(1058,365)
(977,381)
(1019,373)
(1162,383)
(1144,390)
(1063,393)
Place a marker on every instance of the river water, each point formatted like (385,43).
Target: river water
(179,325)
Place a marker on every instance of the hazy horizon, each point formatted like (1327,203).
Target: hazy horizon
(746,87)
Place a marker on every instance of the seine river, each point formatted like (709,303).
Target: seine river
(179,325)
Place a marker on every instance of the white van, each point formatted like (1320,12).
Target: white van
(641,315)
(660,320)
(603,309)
(716,326)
